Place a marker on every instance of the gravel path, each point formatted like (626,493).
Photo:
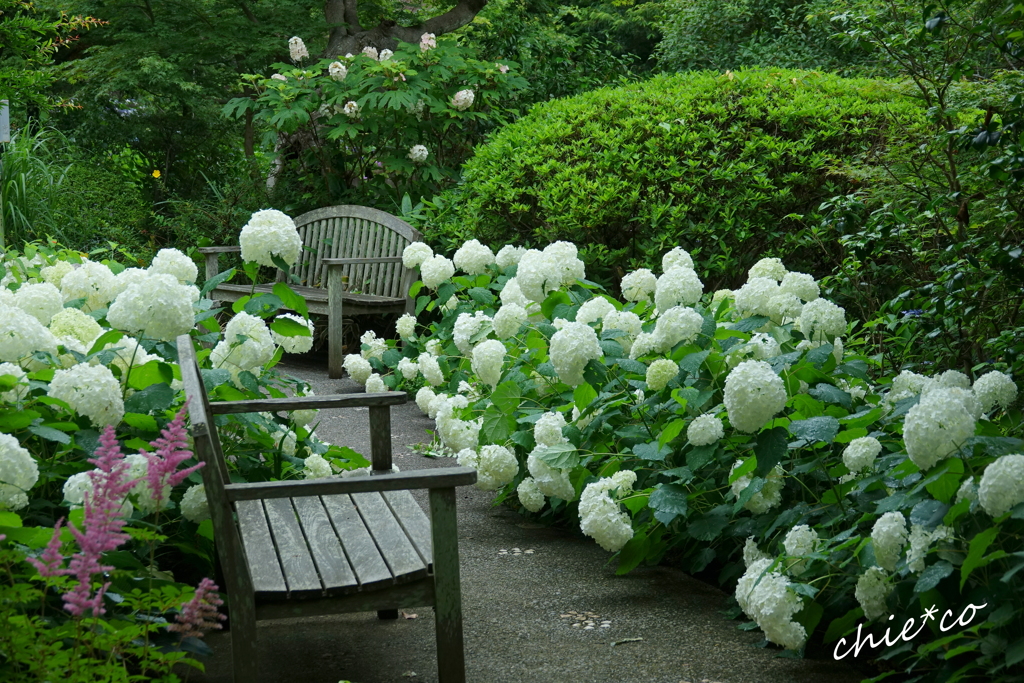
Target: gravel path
(664,626)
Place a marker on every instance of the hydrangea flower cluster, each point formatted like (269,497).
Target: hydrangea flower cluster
(473,257)
(768,497)
(705,430)
(572,347)
(822,317)
(298,343)
(337,71)
(753,395)
(495,466)
(21,335)
(872,590)
(994,389)
(889,535)
(20,389)
(463,99)
(1002,485)
(860,453)
(40,300)
(173,262)
(765,597)
(600,515)
(936,427)
(530,495)
(509,318)
(194,505)
(678,286)
(467,325)
(90,390)
(297,49)
(270,233)
(488,357)
(542,272)
(639,285)
(436,271)
(509,255)
(158,307)
(247,346)
(418,154)
(91,281)
(660,373)
(551,481)
(18,473)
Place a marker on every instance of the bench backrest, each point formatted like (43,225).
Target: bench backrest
(356,232)
(206,445)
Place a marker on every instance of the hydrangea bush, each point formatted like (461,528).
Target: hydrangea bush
(89,372)
(739,430)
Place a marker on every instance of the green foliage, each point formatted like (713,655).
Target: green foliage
(709,34)
(730,167)
(363,154)
(31,176)
(96,205)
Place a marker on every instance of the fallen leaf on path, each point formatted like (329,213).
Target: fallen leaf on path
(406,615)
(626,640)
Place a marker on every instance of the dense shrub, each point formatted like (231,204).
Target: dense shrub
(730,166)
(96,204)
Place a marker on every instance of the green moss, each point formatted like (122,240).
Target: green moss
(731,167)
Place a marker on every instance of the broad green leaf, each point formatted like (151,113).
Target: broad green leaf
(10,519)
(709,526)
(286,327)
(848,435)
(263,305)
(482,296)
(928,513)
(239,305)
(668,501)
(153,372)
(814,429)
(843,625)
(830,394)
(632,366)
(700,456)
(108,337)
(633,553)
(555,298)
(671,431)
(391,358)
(772,446)
(932,575)
(976,551)
(562,456)
(811,614)
(144,422)
(691,363)
(154,397)
(214,377)
(291,300)
(507,397)
(216,280)
(754,487)
(13,420)
(583,395)
(651,451)
(498,425)
(947,484)
(745,468)
(50,434)
(750,324)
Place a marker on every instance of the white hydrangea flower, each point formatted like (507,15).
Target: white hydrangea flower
(473,257)
(433,347)
(770,494)
(905,385)
(594,309)
(511,293)
(675,325)
(751,553)
(463,100)
(801,285)
(357,367)
(430,369)
(571,348)
(968,490)
(466,326)
(953,379)
(1002,485)
(600,516)
(552,482)
(488,357)
(769,602)
(705,430)
(436,271)
(270,233)
(677,258)
(920,540)
(936,428)
(495,466)
(235,355)
(304,417)
(20,390)
(297,49)
(386,54)
(889,535)
(435,405)
(754,297)
(677,287)
(753,395)
(423,398)
(418,154)
(158,307)
(966,397)
(408,368)
(530,495)
(628,322)
(21,335)
(995,389)
(721,295)
(508,320)
(769,268)
(371,52)
(129,277)
(194,505)
(18,469)
(91,281)
(128,354)
(536,276)
(639,285)
(860,453)
(457,434)
(406,326)
(509,255)
(375,346)
(643,344)
(173,262)
(375,384)
(660,373)
(90,390)
(75,488)
(55,274)
(764,346)
(316,467)
(547,431)
(801,541)
(42,301)
(294,344)
(337,71)
(784,306)
(582,423)
(71,322)
(822,317)
(872,590)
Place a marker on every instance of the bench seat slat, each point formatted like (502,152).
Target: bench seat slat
(391,538)
(363,554)
(299,571)
(311,294)
(412,518)
(264,566)
(331,563)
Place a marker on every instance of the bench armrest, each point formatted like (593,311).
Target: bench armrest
(218,250)
(448,477)
(367,259)
(273,405)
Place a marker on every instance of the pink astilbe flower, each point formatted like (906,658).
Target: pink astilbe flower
(171,450)
(51,561)
(199,614)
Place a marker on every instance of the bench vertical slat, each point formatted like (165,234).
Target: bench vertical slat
(373,269)
(380,438)
(398,551)
(313,240)
(264,565)
(412,518)
(299,571)
(330,560)
(362,552)
(388,270)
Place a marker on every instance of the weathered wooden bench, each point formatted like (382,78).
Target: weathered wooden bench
(332,545)
(341,244)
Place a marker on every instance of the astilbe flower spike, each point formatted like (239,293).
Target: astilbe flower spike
(51,560)
(172,449)
(200,613)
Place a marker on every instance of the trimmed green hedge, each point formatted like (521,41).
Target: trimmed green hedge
(732,167)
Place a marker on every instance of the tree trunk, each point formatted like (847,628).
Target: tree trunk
(349,36)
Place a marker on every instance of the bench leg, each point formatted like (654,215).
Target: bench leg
(244,649)
(335,322)
(451,665)
(387,614)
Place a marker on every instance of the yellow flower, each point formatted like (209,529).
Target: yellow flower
(156,174)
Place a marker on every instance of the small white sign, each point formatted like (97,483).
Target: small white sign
(5,122)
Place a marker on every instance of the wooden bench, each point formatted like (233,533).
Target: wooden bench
(331,545)
(353,244)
